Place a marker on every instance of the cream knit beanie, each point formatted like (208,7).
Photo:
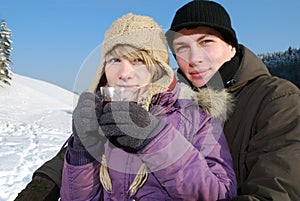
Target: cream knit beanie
(141,32)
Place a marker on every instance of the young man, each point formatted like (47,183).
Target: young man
(263,131)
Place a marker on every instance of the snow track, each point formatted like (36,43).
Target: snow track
(35,121)
(24,147)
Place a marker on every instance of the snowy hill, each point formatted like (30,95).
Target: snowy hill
(35,121)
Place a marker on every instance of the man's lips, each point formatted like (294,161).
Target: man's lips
(198,74)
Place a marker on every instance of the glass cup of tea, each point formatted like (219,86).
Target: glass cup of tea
(131,94)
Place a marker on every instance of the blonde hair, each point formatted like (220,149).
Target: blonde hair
(157,71)
(156,68)
(137,183)
(129,52)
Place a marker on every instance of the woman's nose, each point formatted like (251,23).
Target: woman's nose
(126,70)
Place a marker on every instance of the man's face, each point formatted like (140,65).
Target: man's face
(200,52)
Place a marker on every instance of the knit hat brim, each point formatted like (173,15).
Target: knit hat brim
(203,13)
(228,36)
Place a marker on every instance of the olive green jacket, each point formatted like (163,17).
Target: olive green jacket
(264,133)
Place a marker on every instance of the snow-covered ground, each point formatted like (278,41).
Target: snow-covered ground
(35,121)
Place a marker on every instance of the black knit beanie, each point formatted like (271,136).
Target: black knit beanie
(203,13)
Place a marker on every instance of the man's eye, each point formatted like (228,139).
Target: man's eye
(205,42)
(180,48)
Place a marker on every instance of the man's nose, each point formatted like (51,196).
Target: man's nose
(197,54)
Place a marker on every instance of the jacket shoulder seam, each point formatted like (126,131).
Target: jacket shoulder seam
(283,94)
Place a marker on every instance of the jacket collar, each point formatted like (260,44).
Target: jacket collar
(250,68)
(243,68)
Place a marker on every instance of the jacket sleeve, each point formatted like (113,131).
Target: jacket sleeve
(197,169)
(80,182)
(273,157)
(53,167)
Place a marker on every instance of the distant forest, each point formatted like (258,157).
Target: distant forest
(284,64)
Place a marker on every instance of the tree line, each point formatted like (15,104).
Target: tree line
(284,64)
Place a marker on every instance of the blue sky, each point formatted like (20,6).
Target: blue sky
(53,39)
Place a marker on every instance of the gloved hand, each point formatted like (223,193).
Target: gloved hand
(85,121)
(129,126)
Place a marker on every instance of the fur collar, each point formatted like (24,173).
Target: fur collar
(217,103)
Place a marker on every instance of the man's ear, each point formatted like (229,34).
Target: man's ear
(232,50)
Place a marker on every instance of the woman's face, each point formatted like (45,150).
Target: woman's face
(125,72)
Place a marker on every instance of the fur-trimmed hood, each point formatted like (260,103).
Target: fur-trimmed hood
(217,103)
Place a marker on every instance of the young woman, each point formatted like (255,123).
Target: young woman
(167,149)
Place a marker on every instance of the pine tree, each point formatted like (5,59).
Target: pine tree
(5,52)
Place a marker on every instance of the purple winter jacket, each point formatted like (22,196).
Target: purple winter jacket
(188,160)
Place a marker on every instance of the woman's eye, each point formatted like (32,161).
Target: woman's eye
(113,60)
(138,61)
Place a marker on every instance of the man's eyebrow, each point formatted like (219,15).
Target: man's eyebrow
(179,43)
(198,39)
(201,37)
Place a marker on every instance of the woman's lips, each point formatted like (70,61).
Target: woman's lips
(128,86)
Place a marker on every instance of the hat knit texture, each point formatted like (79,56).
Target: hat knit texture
(203,13)
(139,31)
(143,33)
